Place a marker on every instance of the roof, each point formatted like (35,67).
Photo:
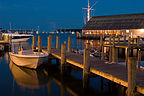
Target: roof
(114,22)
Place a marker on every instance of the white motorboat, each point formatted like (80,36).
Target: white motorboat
(16,37)
(28,58)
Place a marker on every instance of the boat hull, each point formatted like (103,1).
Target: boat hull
(30,62)
(20,39)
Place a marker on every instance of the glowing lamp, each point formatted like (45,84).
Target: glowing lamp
(141,30)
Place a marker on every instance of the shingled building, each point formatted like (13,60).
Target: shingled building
(129,25)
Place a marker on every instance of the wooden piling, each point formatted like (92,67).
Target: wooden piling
(34,43)
(49,44)
(114,55)
(127,52)
(139,59)
(63,54)
(124,38)
(6,38)
(114,52)
(57,42)
(101,42)
(0,35)
(131,76)
(110,54)
(39,44)
(110,39)
(69,44)
(86,66)
(118,39)
(10,42)
(138,39)
(113,40)
(129,42)
(102,53)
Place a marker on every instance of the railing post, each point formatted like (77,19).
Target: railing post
(131,76)
(69,44)
(57,42)
(39,44)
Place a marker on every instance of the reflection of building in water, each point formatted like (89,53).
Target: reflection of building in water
(28,78)
(129,25)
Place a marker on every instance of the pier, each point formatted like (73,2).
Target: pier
(128,76)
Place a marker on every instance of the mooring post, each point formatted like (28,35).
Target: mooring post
(57,42)
(0,35)
(129,42)
(102,53)
(39,44)
(113,40)
(69,44)
(110,54)
(127,52)
(138,39)
(10,42)
(86,66)
(124,38)
(101,41)
(118,39)
(131,76)
(63,56)
(6,38)
(49,44)
(139,59)
(114,52)
(34,43)
(110,39)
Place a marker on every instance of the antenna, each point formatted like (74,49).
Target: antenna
(89,9)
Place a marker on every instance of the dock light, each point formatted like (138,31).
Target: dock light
(141,30)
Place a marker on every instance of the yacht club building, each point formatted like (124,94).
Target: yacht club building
(130,25)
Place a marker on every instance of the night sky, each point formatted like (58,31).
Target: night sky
(57,14)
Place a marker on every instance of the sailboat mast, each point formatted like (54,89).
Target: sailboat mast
(88,12)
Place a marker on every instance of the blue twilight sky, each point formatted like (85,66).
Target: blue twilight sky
(57,14)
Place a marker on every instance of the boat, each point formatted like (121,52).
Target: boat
(16,37)
(28,58)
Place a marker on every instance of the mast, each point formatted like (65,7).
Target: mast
(88,12)
(89,8)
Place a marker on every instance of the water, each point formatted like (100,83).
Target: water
(47,80)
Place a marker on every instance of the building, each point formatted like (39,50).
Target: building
(129,24)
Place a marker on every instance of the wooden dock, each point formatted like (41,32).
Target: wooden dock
(114,72)
(127,76)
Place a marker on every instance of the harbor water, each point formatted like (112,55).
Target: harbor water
(47,80)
